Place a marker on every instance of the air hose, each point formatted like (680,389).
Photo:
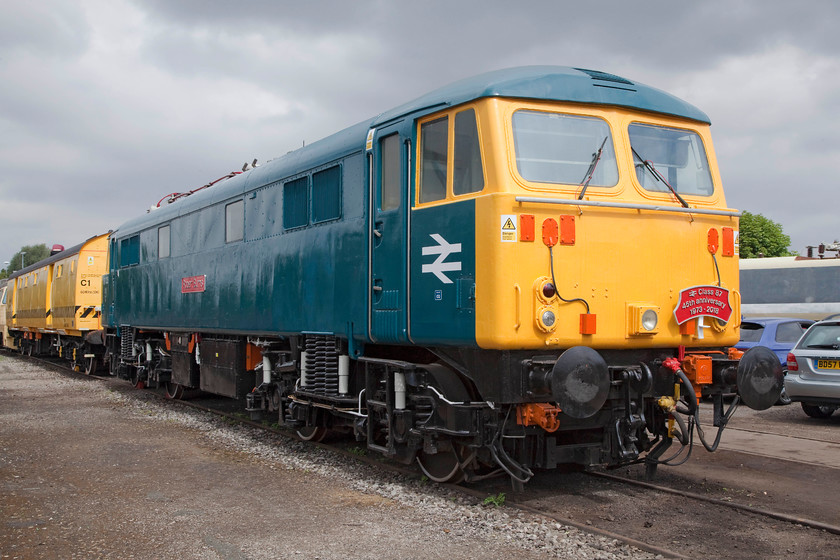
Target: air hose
(694,410)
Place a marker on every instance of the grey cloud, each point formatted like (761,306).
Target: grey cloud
(113,108)
(55,29)
(247,15)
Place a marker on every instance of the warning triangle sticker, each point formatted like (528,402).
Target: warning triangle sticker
(509,225)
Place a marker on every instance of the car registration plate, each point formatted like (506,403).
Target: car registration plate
(828,364)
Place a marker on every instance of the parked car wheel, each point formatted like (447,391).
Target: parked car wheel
(815,411)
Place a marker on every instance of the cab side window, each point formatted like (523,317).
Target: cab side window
(390,172)
(434,147)
(469,174)
(450,157)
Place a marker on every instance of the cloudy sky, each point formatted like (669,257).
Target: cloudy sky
(108,105)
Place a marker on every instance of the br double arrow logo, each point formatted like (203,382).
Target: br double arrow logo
(443,249)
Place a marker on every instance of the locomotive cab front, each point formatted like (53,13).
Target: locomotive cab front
(597,265)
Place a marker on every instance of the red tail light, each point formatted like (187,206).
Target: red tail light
(548,290)
(791,362)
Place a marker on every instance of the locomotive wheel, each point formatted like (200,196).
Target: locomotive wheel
(91,365)
(444,466)
(405,454)
(174,391)
(113,362)
(28,349)
(312,433)
(135,379)
(816,411)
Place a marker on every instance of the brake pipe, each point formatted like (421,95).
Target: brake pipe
(674,365)
(691,396)
(668,404)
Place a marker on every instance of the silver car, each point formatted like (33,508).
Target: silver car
(813,365)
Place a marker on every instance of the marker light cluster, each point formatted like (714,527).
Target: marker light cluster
(546,294)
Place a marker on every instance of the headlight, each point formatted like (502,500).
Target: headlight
(548,318)
(649,320)
(642,319)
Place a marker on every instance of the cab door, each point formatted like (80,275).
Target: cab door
(388,154)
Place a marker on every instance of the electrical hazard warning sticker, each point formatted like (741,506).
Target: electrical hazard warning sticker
(508,228)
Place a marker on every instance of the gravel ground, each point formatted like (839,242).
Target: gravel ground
(87,471)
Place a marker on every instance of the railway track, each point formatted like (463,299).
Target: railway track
(569,498)
(827,527)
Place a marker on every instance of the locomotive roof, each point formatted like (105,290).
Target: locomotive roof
(551,83)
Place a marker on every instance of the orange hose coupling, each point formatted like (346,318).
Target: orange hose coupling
(543,415)
(673,364)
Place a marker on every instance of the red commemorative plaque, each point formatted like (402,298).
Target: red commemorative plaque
(699,301)
(193,284)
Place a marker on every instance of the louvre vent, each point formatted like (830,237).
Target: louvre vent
(603,76)
(296,203)
(127,341)
(321,365)
(326,194)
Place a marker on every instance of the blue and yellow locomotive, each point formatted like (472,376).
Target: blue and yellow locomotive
(523,269)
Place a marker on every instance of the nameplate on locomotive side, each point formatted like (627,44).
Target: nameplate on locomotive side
(703,301)
(193,284)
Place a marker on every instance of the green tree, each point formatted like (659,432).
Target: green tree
(29,254)
(760,236)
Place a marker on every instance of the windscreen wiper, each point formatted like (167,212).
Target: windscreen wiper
(596,157)
(658,176)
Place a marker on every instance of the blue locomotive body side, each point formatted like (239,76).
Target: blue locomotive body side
(266,277)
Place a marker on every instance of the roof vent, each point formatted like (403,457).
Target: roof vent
(598,75)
